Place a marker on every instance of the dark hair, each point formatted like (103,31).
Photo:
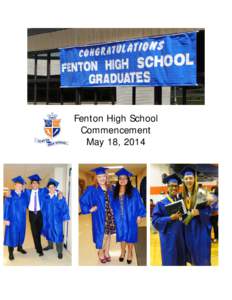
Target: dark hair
(214,189)
(35,181)
(128,192)
(50,183)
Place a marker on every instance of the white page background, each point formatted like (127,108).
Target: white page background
(208,126)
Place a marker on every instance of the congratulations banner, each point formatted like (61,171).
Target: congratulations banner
(168,60)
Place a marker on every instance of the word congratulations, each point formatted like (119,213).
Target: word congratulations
(122,48)
(153,61)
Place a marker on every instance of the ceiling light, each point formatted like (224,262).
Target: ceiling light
(114,167)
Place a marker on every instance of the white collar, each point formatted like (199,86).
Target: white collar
(50,195)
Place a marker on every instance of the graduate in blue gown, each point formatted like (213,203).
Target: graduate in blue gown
(128,210)
(97,201)
(197,230)
(15,207)
(171,228)
(56,212)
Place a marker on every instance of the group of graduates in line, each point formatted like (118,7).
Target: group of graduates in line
(48,210)
(184,238)
(115,209)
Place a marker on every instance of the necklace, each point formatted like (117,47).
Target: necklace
(188,202)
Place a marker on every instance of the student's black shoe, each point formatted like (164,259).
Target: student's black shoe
(21,250)
(11,256)
(121,258)
(129,261)
(60,255)
(47,248)
(41,254)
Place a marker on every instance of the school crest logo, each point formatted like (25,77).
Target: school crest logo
(52,125)
(52,129)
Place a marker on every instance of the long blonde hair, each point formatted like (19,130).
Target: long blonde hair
(108,184)
(193,192)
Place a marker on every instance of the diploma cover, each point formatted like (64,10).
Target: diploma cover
(176,206)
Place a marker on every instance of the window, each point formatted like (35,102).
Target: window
(44,83)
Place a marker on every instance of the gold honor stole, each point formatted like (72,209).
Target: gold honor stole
(170,199)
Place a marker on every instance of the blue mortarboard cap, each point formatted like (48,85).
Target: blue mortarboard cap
(53,181)
(19,179)
(123,171)
(99,170)
(188,171)
(35,177)
(172,178)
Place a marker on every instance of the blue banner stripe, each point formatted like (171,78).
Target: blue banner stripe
(168,60)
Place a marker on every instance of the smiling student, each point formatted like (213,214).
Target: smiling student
(128,210)
(15,207)
(97,201)
(36,207)
(56,212)
(197,229)
(171,228)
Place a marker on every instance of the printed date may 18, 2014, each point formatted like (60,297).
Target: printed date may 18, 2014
(115,142)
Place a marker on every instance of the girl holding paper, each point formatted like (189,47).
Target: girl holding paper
(170,227)
(97,201)
(197,227)
(128,210)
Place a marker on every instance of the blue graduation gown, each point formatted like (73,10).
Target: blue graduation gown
(15,208)
(55,212)
(198,238)
(126,215)
(171,233)
(94,196)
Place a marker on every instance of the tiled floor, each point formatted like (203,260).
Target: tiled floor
(32,258)
(87,251)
